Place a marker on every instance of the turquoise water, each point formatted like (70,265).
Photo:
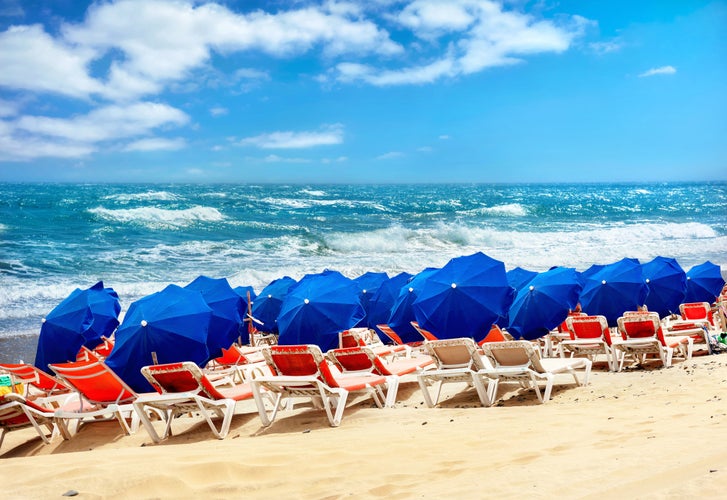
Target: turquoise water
(139,238)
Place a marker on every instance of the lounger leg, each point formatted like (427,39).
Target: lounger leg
(266,421)
(482,391)
(391,392)
(425,391)
(139,408)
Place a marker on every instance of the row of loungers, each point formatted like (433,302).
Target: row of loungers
(276,376)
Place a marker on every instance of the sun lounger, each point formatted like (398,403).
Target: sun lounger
(363,360)
(426,334)
(184,388)
(240,362)
(589,336)
(39,386)
(102,396)
(395,339)
(642,335)
(16,412)
(457,361)
(302,371)
(363,337)
(519,361)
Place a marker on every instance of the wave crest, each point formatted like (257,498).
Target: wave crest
(159,218)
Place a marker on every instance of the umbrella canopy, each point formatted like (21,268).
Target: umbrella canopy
(266,306)
(317,308)
(228,310)
(464,298)
(172,323)
(612,289)
(369,284)
(544,303)
(704,283)
(519,277)
(81,319)
(402,312)
(667,283)
(383,300)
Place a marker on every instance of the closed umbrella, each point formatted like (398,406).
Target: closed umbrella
(164,327)
(369,284)
(317,308)
(464,298)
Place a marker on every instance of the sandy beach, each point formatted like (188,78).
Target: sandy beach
(642,433)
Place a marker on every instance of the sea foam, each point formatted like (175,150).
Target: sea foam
(159,218)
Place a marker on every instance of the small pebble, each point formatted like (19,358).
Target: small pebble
(70,493)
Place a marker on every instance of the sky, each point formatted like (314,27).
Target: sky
(375,91)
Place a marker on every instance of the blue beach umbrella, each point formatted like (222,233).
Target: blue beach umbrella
(382,302)
(544,303)
(464,298)
(612,289)
(246,293)
(228,310)
(704,283)
(519,277)
(317,308)
(266,306)
(402,312)
(667,283)
(369,284)
(171,325)
(81,319)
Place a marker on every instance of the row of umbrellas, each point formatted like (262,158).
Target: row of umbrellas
(464,298)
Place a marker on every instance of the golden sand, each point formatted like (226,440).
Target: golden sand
(641,433)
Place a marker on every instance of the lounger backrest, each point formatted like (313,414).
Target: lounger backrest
(95,381)
(424,333)
(514,353)
(230,357)
(638,326)
(453,353)
(348,339)
(494,335)
(589,327)
(696,310)
(23,373)
(180,377)
(104,348)
(389,332)
(351,359)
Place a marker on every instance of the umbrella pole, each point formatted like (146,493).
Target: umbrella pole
(250,328)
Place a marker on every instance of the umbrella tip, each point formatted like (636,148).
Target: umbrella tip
(454,285)
(603,282)
(270,295)
(143,322)
(648,280)
(306,301)
(42,320)
(688,278)
(532,288)
(411,289)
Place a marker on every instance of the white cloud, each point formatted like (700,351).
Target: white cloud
(219,111)
(606,47)
(663,70)
(391,155)
(476,34)
(20,147)
(444,137)
(102,124)
(156,144)
(280,159)
(325,136)
(32,60)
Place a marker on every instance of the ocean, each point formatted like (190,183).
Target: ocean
(138,238)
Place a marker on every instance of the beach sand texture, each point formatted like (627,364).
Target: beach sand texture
(642,433)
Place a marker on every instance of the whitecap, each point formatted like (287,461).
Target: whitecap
(159,218)
(508,210)
(145,196)
(312,192)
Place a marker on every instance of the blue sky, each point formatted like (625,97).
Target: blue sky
(363,91)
